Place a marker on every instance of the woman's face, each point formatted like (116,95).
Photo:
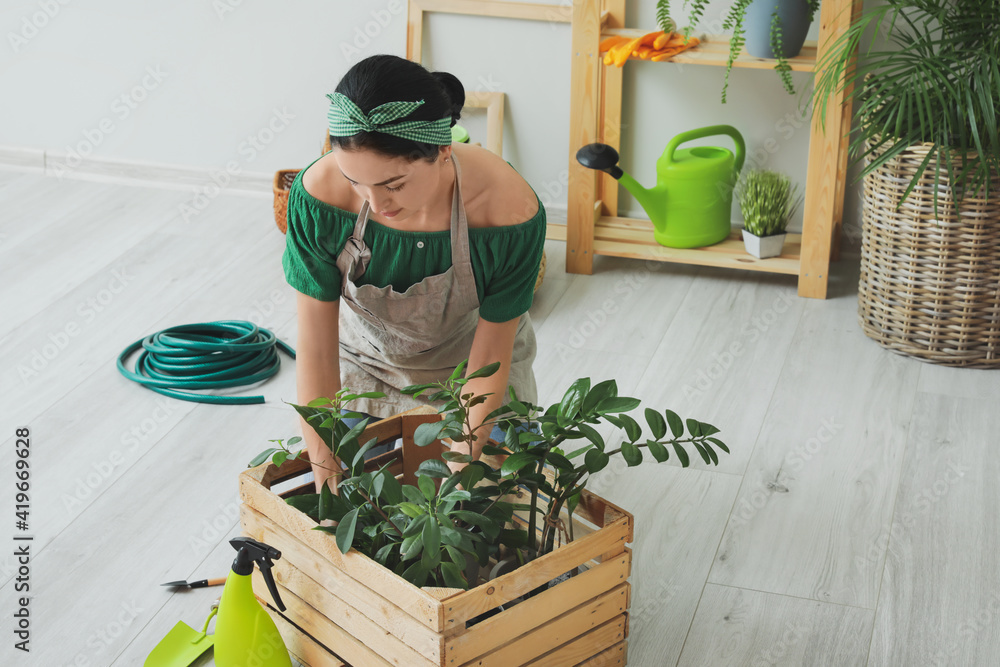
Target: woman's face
(396,188)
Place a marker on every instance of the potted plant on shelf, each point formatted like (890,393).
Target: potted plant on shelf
(926,89)
(512,512)
(768,28)
(767,202)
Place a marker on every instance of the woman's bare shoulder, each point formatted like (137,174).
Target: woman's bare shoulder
(324,181)
(498,195)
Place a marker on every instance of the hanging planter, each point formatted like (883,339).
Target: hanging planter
(777,28)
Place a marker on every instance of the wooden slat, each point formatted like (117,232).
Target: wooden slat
(493,102)
(611,111)
(354,606)
(504,10)
(555,231)
(616,656)
(714,51)
(604,646)
(633,237)
(503,589)
(560,630)
(825,147)
(303,647)
(583,130)
(525,616)
(414,32)
(328,633)
(408,597)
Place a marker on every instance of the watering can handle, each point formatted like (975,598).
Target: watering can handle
(710,131)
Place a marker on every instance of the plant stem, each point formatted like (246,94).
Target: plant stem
(379,510)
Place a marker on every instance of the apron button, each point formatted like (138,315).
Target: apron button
(420,244)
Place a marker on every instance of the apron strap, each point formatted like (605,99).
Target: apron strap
(355,252)
(461,258)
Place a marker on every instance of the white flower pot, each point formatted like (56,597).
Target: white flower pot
(763,247)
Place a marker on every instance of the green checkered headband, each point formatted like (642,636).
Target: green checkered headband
(346,120)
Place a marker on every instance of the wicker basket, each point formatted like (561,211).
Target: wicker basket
(282,184)
(930,286)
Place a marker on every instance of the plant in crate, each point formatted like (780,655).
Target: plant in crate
(434,534)
(767,201)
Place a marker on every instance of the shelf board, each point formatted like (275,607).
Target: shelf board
(633,237)
(714,50)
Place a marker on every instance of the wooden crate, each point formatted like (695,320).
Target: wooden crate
(346,609)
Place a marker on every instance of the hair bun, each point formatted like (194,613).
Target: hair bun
(455,91)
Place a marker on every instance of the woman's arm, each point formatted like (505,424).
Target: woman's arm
(317,365)
(494,341)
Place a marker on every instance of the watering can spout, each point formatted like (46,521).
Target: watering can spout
(652,199)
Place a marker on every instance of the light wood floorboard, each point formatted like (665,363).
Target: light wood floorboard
(940,602)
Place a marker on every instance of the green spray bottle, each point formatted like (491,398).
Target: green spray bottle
(245,634)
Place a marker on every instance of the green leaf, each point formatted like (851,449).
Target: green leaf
(426,485)
(458,457)
(600,391)
(345,531)
(453,576)
(485,371)
(416,574)
(656,423)
(658,451)
(410,509)
(359,458)
(459,370)
(431,536)
(410,547)
(493,450)
(434,468)
(263,456)
(473,519)
(558,461)
(472,474)
(617,404)
(517,461)
(457,496)
(595,460)
(280,458)
(355,431)
(413,494)
(592,434)
(694,427)
(676,425)
(415,389)
(392,492)
(702,452)
(428,432)
(573,399)
(718,443)
(307,503)
(632,428)
(632,454)
(711,453)
(706,429)
(294,440)
(682,455)
(325,503)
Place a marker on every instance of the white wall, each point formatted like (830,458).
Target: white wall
(232,70)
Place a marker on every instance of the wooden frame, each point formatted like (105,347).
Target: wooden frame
(493,102)
(348,609)
(593,227)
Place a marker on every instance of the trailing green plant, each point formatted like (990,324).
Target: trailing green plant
(939,84)
(767,201)
(734,21)
(430,533)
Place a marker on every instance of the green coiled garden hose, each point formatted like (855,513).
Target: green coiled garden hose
(209,355)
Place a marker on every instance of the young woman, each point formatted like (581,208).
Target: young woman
(410,254)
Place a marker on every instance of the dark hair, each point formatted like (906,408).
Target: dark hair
(386,78)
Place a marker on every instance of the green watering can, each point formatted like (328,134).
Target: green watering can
(691,204)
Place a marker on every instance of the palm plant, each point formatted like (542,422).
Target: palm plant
(939,84)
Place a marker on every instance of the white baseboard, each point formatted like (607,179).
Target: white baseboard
(230,177)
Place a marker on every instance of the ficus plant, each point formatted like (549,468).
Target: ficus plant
(440,532)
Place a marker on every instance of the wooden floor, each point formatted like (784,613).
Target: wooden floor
(857,521)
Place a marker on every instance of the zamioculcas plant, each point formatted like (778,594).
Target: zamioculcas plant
(438,534)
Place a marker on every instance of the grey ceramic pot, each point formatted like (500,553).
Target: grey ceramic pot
(794,17)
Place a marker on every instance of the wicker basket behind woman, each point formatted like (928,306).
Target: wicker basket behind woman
(930,286)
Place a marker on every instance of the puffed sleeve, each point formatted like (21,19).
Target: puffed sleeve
(314,238)
(508,259)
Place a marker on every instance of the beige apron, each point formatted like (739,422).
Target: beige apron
(389,340)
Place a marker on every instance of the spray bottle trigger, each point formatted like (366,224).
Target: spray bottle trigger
(265,569)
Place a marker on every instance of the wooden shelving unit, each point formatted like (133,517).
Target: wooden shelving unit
(593,226)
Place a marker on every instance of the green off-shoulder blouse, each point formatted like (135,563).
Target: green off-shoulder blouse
(505,260)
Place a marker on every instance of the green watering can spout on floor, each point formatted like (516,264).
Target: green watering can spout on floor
(691,204)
